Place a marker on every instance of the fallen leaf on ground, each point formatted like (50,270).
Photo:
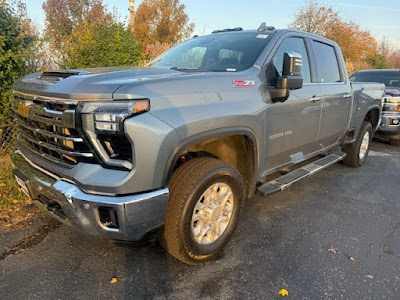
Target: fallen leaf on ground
(114,280)
(333,250)
(283,292)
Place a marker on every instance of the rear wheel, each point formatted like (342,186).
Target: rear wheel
(395,142)
(357,152)
(206,197)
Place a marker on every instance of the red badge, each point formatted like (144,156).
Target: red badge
(243,83)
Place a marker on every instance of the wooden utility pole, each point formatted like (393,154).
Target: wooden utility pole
(132,15)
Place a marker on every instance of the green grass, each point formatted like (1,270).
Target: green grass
(10,195)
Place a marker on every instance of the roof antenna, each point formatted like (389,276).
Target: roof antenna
(263,27)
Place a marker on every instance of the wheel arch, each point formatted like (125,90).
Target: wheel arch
(227,144)
(372,115)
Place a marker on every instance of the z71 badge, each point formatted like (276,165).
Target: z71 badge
(243,83)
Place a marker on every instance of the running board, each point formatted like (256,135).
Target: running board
(287,180)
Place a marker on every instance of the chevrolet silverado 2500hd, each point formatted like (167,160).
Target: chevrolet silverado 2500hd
(176,147)
(390,126)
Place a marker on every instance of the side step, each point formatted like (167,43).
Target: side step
(287,180)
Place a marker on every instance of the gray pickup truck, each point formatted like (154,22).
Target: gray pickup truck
(390,126)
(172,150)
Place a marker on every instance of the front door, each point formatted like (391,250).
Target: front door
(292,126)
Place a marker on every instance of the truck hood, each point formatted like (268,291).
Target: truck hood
(89,84)
(393,92)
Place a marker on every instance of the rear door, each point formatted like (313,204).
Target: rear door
(292,126)
(336,93)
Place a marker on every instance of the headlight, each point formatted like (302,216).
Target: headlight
(394,108)
(110,116)
(103,124)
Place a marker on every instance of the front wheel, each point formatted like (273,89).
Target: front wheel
(357,153)
(206,198)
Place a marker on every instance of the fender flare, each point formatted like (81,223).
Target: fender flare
(205,136)
(356,128)
(371,108)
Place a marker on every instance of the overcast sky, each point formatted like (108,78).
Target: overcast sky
(208,15)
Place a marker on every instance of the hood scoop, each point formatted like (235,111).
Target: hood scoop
(60,75)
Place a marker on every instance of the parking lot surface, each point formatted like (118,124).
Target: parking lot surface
(300,240)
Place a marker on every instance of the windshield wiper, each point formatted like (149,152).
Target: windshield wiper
(190,70)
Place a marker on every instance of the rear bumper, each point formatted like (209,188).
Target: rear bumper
(386,129)
(126,218)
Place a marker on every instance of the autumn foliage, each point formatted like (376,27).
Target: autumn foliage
(64,16)
(160,24)
(360,48)
(84,34)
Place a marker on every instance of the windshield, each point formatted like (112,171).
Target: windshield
(390,80)
(220,52)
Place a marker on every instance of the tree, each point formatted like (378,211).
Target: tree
(63,16)
(85,34)
(386,57)
(314,18)
(357,44)
(163,21)
(156,49)
(378,61)
(395,59)
(15,45)
(103,44)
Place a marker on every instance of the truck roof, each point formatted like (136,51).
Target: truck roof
(270,31)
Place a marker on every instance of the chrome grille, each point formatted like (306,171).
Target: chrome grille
(48,129)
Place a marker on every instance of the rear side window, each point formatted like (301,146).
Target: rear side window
(327,63)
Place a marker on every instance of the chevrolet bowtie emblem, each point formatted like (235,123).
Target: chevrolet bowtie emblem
(23,109)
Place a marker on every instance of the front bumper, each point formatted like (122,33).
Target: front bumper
(131,217)
(386,129)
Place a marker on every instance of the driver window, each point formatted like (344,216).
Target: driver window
(292,44)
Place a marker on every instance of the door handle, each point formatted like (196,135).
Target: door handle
(315,99)
(347,96)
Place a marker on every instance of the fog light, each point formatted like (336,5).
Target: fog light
(395,122)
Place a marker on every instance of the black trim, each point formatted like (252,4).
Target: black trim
(313,64)
(374,107)
(205,136)
(82,133)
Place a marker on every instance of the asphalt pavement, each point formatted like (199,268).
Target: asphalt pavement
(300,240)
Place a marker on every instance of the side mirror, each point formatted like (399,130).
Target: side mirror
(291,78)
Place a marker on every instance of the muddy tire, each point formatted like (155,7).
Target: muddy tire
(206,198)
(357,152)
